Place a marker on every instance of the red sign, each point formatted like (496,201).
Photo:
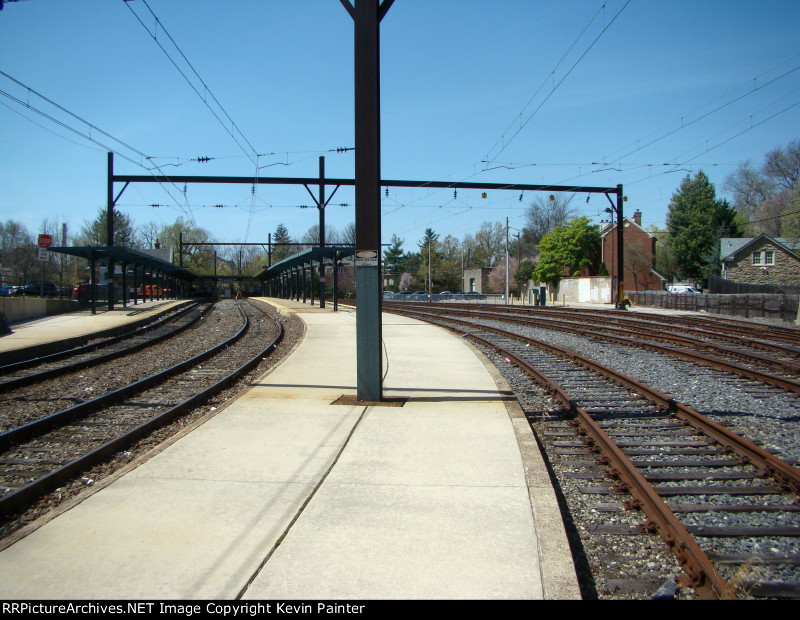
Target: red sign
(45,241)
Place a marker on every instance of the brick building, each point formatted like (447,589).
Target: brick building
(639,272)
(761,260)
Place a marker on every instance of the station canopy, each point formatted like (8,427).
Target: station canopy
(328,255)
(122,254)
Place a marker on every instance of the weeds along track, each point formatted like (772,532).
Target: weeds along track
(634,463)
(40,455)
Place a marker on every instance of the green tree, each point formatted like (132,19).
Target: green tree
(524,272)
(17,253)
(393,257)
(279,252)
(567,250)
(697,221)
(199,257)
(394,263)
(447,275)
(428,257)
(96,231)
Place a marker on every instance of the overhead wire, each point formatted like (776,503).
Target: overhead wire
(154,35)
(560,82)
(91,129)
(611,157)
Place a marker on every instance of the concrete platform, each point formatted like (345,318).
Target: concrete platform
(74,325)
(285,495)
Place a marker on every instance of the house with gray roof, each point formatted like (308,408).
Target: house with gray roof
(761,260)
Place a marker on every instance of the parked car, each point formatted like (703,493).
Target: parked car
(681,288)
(401,296)
(418,296)
(444,295)
(9,290)
(37,290)
(472,295)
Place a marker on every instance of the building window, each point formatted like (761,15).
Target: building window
(764,258)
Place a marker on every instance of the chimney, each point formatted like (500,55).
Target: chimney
(637,217)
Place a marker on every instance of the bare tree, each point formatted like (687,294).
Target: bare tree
(749,188)
(544,215)
(765,196)
(348,235)
(783,165)
(487,246)
(149,234)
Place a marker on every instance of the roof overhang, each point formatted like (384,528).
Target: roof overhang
(122,254)
(326,255)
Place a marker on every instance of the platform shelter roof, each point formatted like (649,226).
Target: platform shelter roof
(123,254)
(328,255)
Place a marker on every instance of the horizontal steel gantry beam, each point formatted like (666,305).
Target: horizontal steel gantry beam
(581,189)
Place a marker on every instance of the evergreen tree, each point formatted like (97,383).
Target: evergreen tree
(96,231)
(697,221)
(279,252)
(428,255)
(393,256)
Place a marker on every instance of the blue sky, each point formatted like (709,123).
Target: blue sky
(573,92)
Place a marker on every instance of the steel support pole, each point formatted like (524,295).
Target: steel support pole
(620,251)
(110,228)
(124,284)
(110,202)
(93,281)
(321,207)
(369,364)
(136,283)
(336,282)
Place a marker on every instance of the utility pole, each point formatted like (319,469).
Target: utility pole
(430,279)
(507,287)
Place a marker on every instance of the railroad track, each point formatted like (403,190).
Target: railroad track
(725,507)
(746,359)
(39,456)
(39,369)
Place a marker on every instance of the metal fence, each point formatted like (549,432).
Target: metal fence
(717,284)
(751,305)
